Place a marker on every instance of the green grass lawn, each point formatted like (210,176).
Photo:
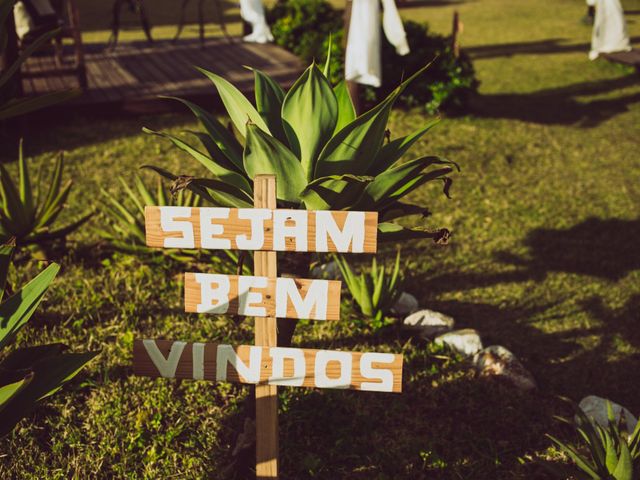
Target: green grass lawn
(544,260)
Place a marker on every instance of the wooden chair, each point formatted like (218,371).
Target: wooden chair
(69,15)
(136,6)
(219,11)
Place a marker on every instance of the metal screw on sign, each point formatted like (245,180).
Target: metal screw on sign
(265,296)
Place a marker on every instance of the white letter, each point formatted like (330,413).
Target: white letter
(197,356)
(384,374)
(169,225)
(323,357)
(316,297)
(257,217)
(208,295)
(278,354)
(352,232)
(247,297)
(166,366)
(282,230)
(226,354)
(208,229)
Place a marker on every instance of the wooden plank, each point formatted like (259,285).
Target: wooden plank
(266,333)
(261,296)
(275,229)
(261,365)
(631,57)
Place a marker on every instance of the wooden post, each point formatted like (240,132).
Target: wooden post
(265,264)
(455,40)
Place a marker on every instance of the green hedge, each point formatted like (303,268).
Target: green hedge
(304,26)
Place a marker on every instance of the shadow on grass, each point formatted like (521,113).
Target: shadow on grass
(595,357)
(561,106)
(601,248)
(83,127)
(430,3)
(445,424)
(550,46)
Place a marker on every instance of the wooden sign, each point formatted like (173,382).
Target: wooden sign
(261,229)
(293,367)
(264,229)
(262,296)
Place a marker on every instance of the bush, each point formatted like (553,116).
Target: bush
(303,27)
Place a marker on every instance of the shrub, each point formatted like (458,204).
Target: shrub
(304,27)
(28,375)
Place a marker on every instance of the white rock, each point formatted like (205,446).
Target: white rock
(428,323)
(329,271)
(497,360)
(466,342)
(596,408)
(405,304)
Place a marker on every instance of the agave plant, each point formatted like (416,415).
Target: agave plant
(125,230)
(126,226)
(323,155)
(376,290)
(611,453)
(28,375)
(28,214)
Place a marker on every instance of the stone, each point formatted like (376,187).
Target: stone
(498,361)
(405,304)
(428,323)
(595,408)
(328,271)
(466,342)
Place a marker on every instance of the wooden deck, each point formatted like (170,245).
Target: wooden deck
(631,58)
(136,73)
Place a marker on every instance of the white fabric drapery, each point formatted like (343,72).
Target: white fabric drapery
(252,11)
(609,28)
(362,62)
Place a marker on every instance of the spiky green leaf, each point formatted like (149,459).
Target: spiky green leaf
(309,116)
(264,154)
(238,107)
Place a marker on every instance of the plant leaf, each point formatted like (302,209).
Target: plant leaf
(624,469)
(219,171)
(50,374)
(579,461)
(269,98)
(18,308)
(21,106)
(346,110)
(222,146)
(309,116)
(388,231)
(393,151)
(264,154)
(354,147)
(335,192)
(326,71)
(26,193)
(6,253)
(398,181)
(238,107)
(10,390)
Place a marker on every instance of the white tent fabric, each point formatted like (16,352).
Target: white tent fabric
(362,62)
(609,28)
(252,11)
